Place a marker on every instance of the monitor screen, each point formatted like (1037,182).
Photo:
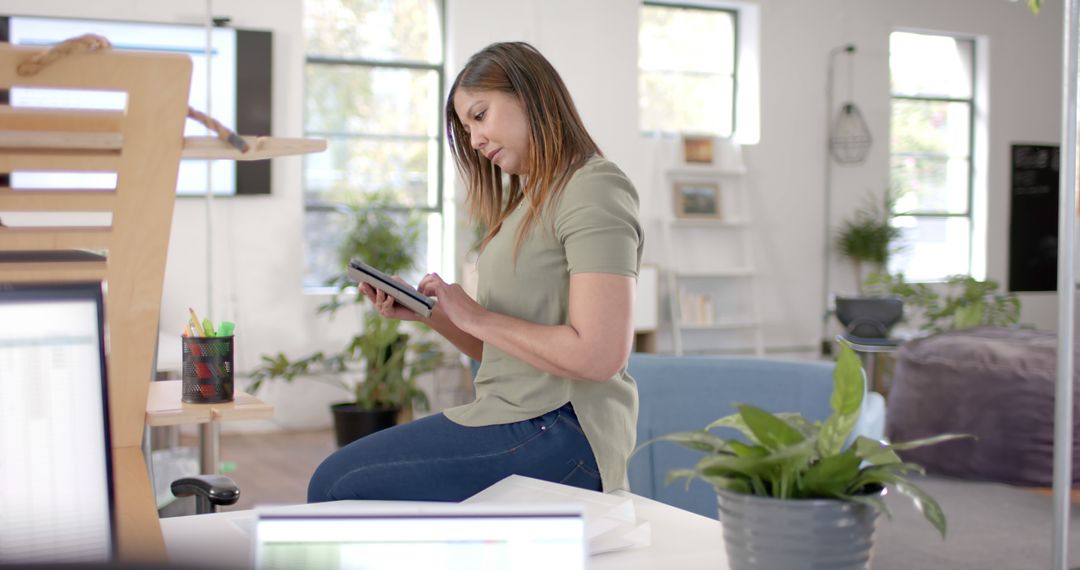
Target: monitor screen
(55,465)
(240,80)
(456,536)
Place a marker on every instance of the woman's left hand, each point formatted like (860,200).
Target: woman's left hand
(458,306)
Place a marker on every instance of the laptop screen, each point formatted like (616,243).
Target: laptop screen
(454,537)
(55,464)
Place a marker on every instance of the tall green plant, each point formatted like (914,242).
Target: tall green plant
(868,238)
(379,366)
(784,456)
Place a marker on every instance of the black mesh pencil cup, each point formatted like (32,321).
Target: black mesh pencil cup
(208,370)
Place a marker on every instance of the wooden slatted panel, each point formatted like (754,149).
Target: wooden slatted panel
(51,239)
(157,86)
(61,120)
(67,140)
(30,200)
(45,160)
(51,272)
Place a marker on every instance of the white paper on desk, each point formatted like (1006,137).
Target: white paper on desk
(610,520)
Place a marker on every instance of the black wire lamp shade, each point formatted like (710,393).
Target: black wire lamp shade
(850,139)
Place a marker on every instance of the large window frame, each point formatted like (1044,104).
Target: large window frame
(431,209)
(735,57)
(898,214)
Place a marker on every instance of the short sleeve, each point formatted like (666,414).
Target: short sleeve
(598,223)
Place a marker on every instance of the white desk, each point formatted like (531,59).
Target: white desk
(680,539)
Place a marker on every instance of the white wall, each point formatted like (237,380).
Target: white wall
(257,272)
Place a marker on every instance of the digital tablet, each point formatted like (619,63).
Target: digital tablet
(406,295)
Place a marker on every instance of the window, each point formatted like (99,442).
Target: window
(932,129)
(373,89)
(686,69)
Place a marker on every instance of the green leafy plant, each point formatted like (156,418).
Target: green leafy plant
(379,366)
(784,456)
(967,302)
(868,238)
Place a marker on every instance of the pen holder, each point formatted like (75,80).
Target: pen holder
(208,369)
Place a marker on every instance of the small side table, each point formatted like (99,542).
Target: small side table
(164,408)
(870,349)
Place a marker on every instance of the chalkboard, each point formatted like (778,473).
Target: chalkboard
(1033,218)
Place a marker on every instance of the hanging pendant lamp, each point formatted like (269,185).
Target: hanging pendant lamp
(850,140)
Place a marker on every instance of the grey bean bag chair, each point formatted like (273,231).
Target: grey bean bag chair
(994,383)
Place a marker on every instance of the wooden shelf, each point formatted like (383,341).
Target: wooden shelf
(261,148)
(27,147)
(164,408)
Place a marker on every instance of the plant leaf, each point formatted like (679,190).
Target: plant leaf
(930,440)
(832,475)
(742,450)
(735,484)
(800,423)
(924,503)
(676,474)
(875,452)
(736,422)
(728,465)
(696,440)
(772,432)
(873,501)
(846,401)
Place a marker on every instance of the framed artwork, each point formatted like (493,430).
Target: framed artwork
(698,150)
(697,200)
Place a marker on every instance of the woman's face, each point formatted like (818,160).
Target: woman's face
(497,127)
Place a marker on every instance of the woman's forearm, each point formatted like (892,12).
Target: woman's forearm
(465,342)
(557,349)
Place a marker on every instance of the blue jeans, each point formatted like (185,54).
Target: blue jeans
(435,459)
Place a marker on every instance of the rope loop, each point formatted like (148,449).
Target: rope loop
(89,43)
(84,43)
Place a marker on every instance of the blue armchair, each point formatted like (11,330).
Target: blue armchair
(683,393)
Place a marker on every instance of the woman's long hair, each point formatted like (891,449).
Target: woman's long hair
(559,143)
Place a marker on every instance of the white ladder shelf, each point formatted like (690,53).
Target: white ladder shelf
(709,256)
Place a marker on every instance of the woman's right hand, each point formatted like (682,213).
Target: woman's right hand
(387,306)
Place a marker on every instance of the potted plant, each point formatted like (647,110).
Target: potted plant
(379,365)
(868,238)
(791,494)
(966,302)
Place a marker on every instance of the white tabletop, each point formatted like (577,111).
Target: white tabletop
(680,539)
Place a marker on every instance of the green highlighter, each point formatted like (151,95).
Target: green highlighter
(226,328)
(208,328)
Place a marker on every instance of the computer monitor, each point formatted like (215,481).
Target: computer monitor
(56,497)
(477,537)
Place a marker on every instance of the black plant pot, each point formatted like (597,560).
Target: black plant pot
(869,317)
(352,423)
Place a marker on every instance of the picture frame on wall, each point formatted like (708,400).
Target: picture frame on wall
(697,149)
(697,200)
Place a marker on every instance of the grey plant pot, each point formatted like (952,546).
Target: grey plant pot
(766,533)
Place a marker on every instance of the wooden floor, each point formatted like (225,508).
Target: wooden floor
(273,468)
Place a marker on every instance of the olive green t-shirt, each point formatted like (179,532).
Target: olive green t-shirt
(596,230)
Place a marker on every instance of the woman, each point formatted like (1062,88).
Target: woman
(552,322)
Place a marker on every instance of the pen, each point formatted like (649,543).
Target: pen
(195,326)
(208,327)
